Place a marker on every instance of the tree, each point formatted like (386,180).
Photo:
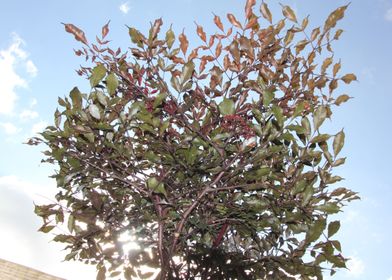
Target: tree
(211,159)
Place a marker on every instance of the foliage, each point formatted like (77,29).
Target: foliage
(212,159)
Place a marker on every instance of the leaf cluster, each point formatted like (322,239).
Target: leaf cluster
(211,158)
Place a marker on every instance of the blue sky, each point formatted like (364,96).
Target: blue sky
(37,65)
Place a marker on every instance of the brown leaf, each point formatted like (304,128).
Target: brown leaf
(289,37)
(248,8)
(183,42)
(305,22)
(234,50)
(337,34)
(193,54)
(218,49)
(301,45)
(326,63)
(105,30)
(336,68)
(341,99)
(229,32)
(211,42)
(334,17)
(315,33)
(156,28)
(226,62)
(266,13)
(208,57)
(348,78)
(333,85)
(218,22)
(202,65)
(201,33)
(251,23)
(289,13)
(234,21)
(78,33)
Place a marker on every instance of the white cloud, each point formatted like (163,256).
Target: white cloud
(355,266)
(38,127)
(390,278)
(124,8)
(10,128)
(28,115)
(10,60)
(33,102)
(388,15)
(31,68)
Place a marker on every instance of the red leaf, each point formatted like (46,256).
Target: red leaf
(78,33)
(252,22)
(234,21)
(201,33)
(156,28)
(183,42)
(218,22)
(218,49)
(248,8)
(193,54)
(105,30)
(202,65)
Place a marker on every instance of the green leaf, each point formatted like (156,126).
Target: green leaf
(90,136)
(46,229)
(320,138)
(191,154)
(136,36)
(306,124)
(159,99)
(338,142)
(71,256)
(97,74)
(333,228)
(268,96)
(278,113)
(101,98)
(111,83)
(156,186)
(76,98)
(94,111)
(338,261)
(175,83)
(187,71)
(339,161)
(71,223)
(227,107)
(101,273)
(315,230)
(63,238)
(57,118)
(307,195)
(263,171)
(319,116)
(298,109)
(337,245)
(298,187)
(329,208)
(170,38)
(297,128)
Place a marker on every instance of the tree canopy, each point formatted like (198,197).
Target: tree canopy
(210,160)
